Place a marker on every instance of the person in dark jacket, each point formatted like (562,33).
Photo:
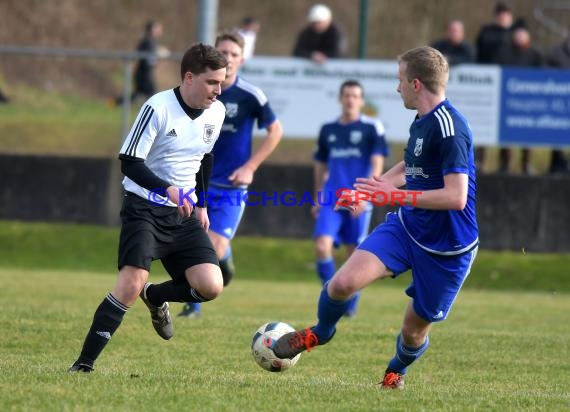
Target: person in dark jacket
(321,39)
(144,84)
(454,47)
(490,40)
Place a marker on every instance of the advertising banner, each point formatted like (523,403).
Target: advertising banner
(503,106)
(535,107)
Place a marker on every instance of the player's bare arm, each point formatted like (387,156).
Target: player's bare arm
(202,216)
(185,207)
(452,196)
(320,173)
(244,174)
(396,175)
(376,165)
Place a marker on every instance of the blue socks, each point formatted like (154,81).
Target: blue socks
(329,313)
(406,355)
(325,269)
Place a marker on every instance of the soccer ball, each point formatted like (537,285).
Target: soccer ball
(262,347)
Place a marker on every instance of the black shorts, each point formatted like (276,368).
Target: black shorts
(150,232)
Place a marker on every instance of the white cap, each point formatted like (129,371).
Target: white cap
(319,12)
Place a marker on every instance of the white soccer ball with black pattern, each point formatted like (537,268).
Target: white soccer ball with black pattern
(262,347)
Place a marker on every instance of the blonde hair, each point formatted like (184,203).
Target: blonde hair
(427,65)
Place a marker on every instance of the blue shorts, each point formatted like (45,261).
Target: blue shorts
(436,279)
(225,209)
(341,226)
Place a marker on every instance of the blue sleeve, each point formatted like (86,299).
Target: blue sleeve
(455,153)
(379,146)
(322,150)
(265,116)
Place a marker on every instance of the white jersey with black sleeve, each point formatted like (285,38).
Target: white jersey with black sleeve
(170,142)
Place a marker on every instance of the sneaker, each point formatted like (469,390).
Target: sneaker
(189,310)
(291,344)
(160,316)
(80,367)
(392,380)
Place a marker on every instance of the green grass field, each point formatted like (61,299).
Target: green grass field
(504,347)
(498,351)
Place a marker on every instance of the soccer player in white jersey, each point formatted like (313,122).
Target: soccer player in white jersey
(434,233)
(351,146)
(165,158)
(234,163)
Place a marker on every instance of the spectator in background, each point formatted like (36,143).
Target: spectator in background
(518,52)
(454,47)
(248,30)
(559,57)
(321,39)
(490,40)
(144,72)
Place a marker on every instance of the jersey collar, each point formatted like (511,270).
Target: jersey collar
(192,113)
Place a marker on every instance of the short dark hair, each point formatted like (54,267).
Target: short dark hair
(247,20)
(201,57)
(350,83)
(233,36)
(502,7)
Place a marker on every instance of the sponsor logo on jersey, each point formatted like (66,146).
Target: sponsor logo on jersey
(228,127)
(331,138)
(209,133)
(231,109)
(171,133)
(415,171)
(418,148)
(355,136)
(346,152)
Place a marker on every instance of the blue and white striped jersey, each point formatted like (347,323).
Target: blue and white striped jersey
(440,143)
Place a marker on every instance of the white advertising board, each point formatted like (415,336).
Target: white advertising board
(304,95)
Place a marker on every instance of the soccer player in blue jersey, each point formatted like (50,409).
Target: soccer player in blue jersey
(434,233)
(352,146)
(234,163)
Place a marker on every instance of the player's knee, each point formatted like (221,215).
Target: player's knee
(412,336)
(212,289)
(129,285)
(341,287)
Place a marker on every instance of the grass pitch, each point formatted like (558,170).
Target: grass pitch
(498,351)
